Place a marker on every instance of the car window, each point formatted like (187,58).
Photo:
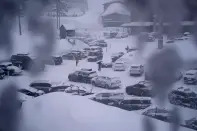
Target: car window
(93,74)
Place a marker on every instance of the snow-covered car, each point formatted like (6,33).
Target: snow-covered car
(143,88)
(31,92)
(54,60)
(170,41)
(2,74)
(27,62)
(190,77)
(96,48)
(43,85)
(119,66)
(136,70)
(101,43)
(109,96)
(122,35)
(93,58)
(184,97)
(134,103)
(106,65)
(83,75)
(187,34)
(158,113)
(191,123)
(78,90)
(106,82)
(13,71)
(116,56)
(96,53)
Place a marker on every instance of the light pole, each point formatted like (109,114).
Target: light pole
(19,20)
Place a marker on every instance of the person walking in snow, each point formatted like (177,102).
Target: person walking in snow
(99,65)
(127,49)
(77,60)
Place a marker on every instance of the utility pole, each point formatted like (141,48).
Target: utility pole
(57,14)
(19,20)
(160,31)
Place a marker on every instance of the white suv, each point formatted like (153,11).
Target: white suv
(119,66)
(190,77)
(136,70)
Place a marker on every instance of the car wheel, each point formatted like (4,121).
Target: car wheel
(106,86)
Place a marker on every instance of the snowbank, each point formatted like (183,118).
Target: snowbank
(116,8)
(60,112)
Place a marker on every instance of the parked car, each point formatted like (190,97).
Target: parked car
(22,61)
(190,77)
(96,48)
(43,85)
(106,82)
(134,103)
(116,56)
(83,75)
(78,90)
(160,114)
(72,55)
(191,123)
(2,74)
(96,53)
(60,88)
(54,60)
(183,97)
(136,70)
(101,43)
(30,93)
(27,62)
(143,88)
(146,37)
(93,58)
(106,65)
(119,66)
(13,71)
(109,96)
(4,66)
(122,35)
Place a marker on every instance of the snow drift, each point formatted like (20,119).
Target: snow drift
(60,112)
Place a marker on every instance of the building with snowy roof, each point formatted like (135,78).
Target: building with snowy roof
(115,14)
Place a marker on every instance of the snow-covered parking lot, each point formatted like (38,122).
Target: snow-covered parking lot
(60,73)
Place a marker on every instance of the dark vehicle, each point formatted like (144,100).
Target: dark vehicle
(143,88)
(54,60)
(22,61)
(93,58)
(42,85)
(192,123)
(83,75)
(135,103)
(59,88)
(160,114)
(4,66)
(74,54)
(183,97)
(28,92)
(101,43)
(26,62)
(106,65)
(116,56)
(2,74)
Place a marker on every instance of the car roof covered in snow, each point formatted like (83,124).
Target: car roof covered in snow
(191,72)
(136,65)
(136,98)
(42,81)
(5,63)
(117,8)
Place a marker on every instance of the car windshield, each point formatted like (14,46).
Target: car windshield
(135,67)
(93,74)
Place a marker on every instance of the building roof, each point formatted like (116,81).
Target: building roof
(117,8)
(184,23)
